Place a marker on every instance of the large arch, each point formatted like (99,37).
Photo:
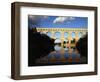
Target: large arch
(49,34)
(80,34)
(57,35)
(73,34)
(66,34)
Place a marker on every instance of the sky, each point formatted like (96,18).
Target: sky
(43,21)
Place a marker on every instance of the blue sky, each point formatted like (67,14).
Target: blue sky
(43,21)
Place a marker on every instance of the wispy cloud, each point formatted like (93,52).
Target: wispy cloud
(35,17)
(63,19)
(45,17)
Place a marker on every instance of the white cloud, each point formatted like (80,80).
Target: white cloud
(45,17)
(31,17)
(35,17)
(63,19)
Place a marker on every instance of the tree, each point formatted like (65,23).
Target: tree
(39,45)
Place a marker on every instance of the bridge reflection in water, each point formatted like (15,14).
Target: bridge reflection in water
(61,57)
(68,54)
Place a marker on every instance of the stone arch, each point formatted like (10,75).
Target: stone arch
(49,34)
(57,34)
(73,34)
(80,34)
(66,34)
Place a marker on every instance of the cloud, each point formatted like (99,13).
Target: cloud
(31,17)
(45,17)
(37,17)
(63,19)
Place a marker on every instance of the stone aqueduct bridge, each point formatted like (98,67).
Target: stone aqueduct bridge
(83,31)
